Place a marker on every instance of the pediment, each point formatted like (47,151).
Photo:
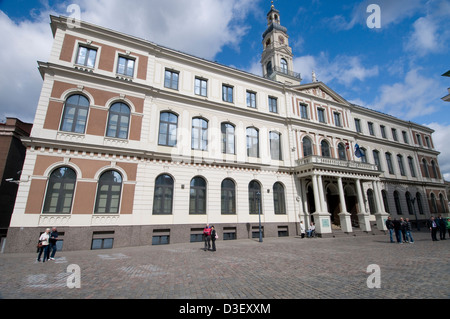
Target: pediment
(320,90)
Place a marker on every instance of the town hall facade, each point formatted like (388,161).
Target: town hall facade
(137,144)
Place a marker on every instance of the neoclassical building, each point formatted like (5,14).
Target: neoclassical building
(137,144)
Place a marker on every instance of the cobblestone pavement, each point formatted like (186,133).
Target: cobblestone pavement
(278,268)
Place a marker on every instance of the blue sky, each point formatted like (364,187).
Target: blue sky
(394,69)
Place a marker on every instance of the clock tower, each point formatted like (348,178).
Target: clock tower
(277,57)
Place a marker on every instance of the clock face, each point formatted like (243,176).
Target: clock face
(281,39)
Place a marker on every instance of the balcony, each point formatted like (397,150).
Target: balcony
(336,164)
(281,71)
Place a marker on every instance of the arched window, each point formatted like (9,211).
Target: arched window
(275,146)
(376,159)
(269,68)
(325,147)
(228,139)
(419,203)
(425,168)
(163,197)
(119,121)
(108,193)
(409,203)
(252,142)
(401,166)
(60,191)
(197,201)
(398,206)
(284,66)
(442,201)
(434,169)
(342,152)
(75,114)
(434,204)
(199,134)
(389,163)
(254,197)
(371,200)
(168,125)
(279,202)
(228,197)
(307,147)
(385,201)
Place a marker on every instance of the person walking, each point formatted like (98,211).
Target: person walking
(207,237)
(213,238)
(390,227)
(44,242)
(432,224)
(408,229)
(52,243)
(403,229)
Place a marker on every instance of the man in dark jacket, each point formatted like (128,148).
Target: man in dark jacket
(52,243)
(442,227)
(390,227)
(432,224)
(398,231)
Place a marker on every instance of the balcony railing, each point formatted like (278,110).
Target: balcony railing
(333,162)
(282,71)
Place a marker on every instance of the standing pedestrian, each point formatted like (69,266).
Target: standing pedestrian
(433,228)
(403,229)
(214,236)
(408,229)
(398,230)
(448,226)
(52,243)
(302,229)
(390,227)
(207,237)
(442,227)
(43,240)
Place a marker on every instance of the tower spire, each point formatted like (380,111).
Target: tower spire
(277,57)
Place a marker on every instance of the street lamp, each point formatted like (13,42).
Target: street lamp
(258,197)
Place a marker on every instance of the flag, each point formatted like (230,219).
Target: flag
(359,152)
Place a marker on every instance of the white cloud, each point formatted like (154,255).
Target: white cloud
(342,69)
(410,98)
(201,28)
(440,140)
(23,44)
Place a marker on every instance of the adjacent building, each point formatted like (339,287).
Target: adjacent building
(137,144)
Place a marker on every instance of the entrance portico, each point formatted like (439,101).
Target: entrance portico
(328,179)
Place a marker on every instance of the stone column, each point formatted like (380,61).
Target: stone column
(380,215)
(363,216)
(321,217)
(344,216)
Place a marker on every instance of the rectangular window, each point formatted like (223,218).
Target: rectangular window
(394,134)
(201,87)
(161,237)
(411,166)
(102,240)
(251,99)
(229,233)
(383,131)
(304,111)
(419,139)
(321,115)
(125,66)
(405,137)
(227,93)
(86,56)
(358,125)
(273,104)
(427,141)
(171,79)
(371,131)
(337,119)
